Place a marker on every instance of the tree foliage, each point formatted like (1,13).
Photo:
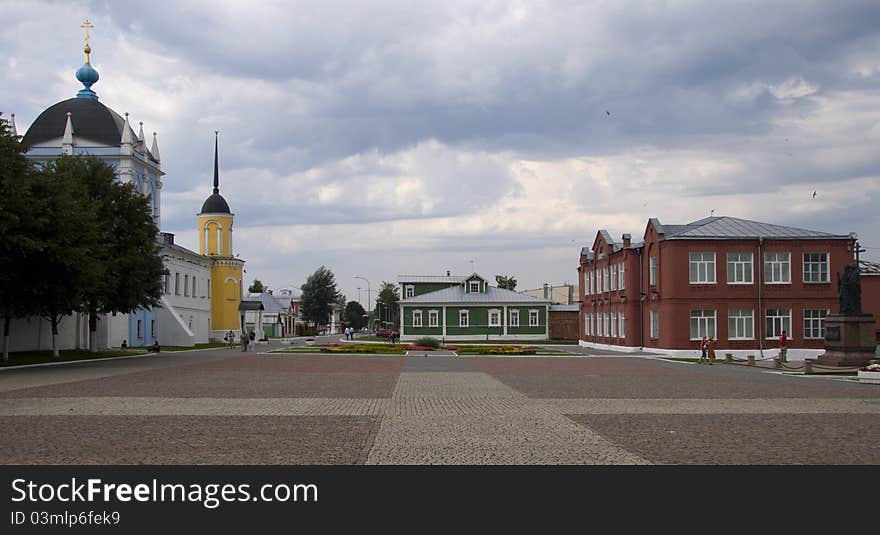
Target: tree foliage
(319,294)
(386,302)
(507,282)
(354,314)
(257,287)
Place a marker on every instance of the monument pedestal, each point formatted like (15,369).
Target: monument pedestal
(849,340)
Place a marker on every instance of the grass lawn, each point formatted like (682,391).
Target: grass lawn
(66,355)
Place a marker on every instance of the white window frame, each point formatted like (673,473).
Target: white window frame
(587,324)
(824,268)
(814,323)
(514,318)
(654,321)
(497,314)
(776,322)
(464,318)
(471,287)
(771,266)
(614,325)
(417,318)
(621,330)
(409,291)
(153,328)
(613,276)
(622,274)
(533,314)
(600,283)
(652,271)
(140,328)
(747,268)
(706,323)
(593,282)
(740,324)
(701,268)
(606,327)
(433,318)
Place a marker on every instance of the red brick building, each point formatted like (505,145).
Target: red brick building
(739,281)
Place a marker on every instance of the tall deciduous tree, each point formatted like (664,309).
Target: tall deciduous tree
(507,282)
(354,314)
(18,216)
(130,269)
(319,295)
(386,302)
(257,287)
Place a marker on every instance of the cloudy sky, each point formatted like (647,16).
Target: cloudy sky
(380,138)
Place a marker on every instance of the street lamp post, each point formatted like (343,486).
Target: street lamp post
(369,300)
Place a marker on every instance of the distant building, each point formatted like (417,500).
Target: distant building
(564,294)
(742,282)
(468,308)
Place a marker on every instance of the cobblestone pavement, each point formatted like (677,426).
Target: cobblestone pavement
(225,407)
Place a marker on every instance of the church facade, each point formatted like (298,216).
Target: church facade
(201,291)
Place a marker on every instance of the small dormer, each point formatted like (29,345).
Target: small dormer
(475,284)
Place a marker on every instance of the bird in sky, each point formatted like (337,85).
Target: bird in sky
(608,113)
(814,194)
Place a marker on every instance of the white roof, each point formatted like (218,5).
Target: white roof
(432,278)
(456,294)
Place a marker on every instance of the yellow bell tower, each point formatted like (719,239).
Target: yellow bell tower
(215,242)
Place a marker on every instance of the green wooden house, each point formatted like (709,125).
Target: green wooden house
(468,308)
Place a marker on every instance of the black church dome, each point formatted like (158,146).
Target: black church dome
(91,120)
(215,204)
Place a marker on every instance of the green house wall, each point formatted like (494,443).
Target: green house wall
(479,321)
(420,288)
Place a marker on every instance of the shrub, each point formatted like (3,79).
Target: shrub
(427,341)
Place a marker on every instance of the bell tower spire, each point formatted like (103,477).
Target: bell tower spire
(216,166)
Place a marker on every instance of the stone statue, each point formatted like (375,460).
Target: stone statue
(850,288)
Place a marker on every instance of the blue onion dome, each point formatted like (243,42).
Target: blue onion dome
(88,76)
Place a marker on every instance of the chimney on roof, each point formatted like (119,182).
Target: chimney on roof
(546,291)
(447,272)
(627,239)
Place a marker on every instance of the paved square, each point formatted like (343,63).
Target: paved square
(225,407)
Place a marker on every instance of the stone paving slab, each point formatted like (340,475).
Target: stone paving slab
(185,439)
(712,406)
(497,439)
(451,385)
(771,439)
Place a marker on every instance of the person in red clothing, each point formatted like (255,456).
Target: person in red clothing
(783,346)
(704,347)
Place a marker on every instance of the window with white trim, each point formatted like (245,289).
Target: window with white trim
(600,286)
(816,267)
(777,268)
(140,329)
(514,318)
(409,291)
(740,324)
(778,320)
(608,278)
(622,329)
(654,320)
(652,271)
(533,318)
(613,276)
(622,282)
(433,318)
(739,268)
(614,324)
(588,283)
(475,287)
(153,328)
(814,322)
(606,328)
(702,324)
(494,318)
(588,318)
(593,282)
(417,318)
(464,318)
(701,268)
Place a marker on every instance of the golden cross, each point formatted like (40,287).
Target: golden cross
(86,25)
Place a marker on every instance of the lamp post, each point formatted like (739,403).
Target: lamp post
(369,301)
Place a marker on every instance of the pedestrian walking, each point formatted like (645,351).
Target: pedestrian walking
(243,340)
(783,347)
(704,350)
(252,342)
(124,344)
(711,349)
(230,339)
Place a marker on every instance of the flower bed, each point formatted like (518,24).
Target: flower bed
(496,350)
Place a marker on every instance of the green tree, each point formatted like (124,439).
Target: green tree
(257,287)
(386,303)
(68,232)
(354,314)
(319,295)
(507,282)
(130,269)
(19,215)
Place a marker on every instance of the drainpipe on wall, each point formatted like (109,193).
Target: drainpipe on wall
(760,282)
(641,305)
